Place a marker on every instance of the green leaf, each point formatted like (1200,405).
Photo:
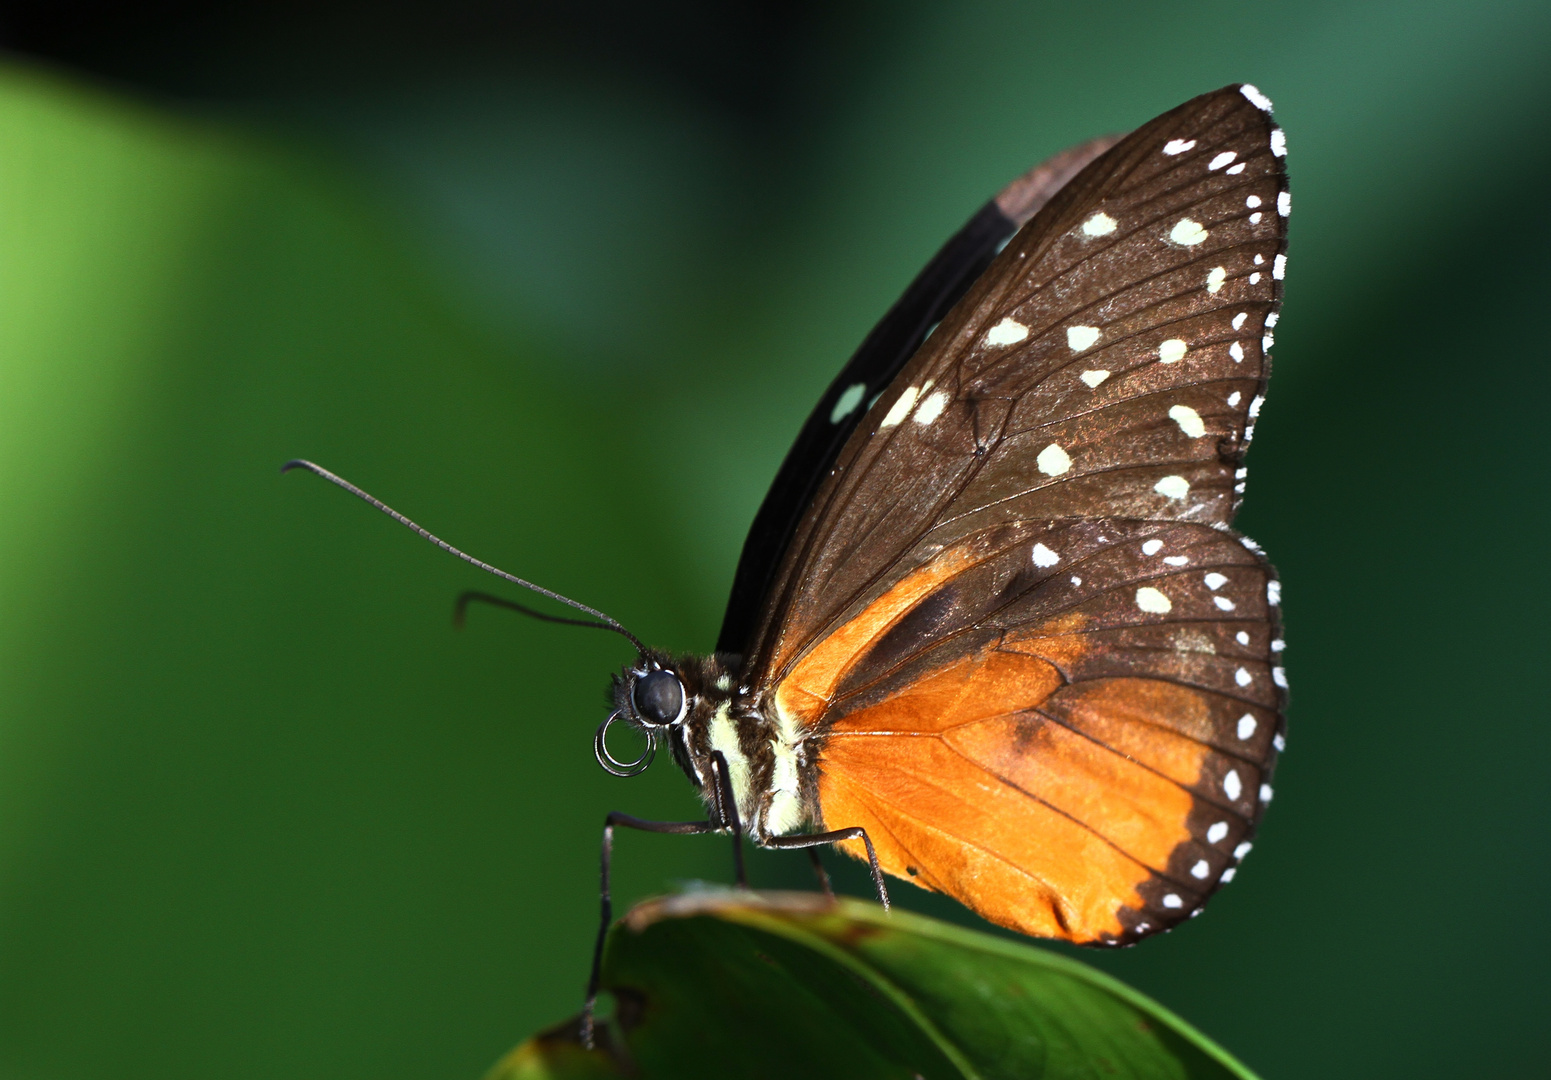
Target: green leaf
(737,984)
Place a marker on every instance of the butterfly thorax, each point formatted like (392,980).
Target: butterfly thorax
(703,710)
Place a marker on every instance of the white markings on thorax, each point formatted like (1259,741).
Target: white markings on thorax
(723,735)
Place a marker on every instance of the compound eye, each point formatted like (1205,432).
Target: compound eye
(658,697)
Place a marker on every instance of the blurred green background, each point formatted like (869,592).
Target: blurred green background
(562,283)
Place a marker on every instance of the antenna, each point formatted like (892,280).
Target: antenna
(604,621)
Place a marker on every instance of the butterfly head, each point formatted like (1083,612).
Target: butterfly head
(672,702)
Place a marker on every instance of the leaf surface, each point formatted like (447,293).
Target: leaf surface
(737,984)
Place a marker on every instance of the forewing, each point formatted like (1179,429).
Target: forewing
(932,294)
(1068,726)
(1109,363)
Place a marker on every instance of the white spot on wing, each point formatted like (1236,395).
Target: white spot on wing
(1053,461)
(1152,547)
(1172,487)
(1227,875)
(1172,900)
(1188,419)
(1236,169)
(1176,560)
(1273,592)
(1256,98)
(1271,320)
(1234,399)
(1007,332)
(1223,603)
(1217,832)
(1254,219)
(1284,203)
(1236,351)
(1278,142)
(1200,869)
(1043,556)
(1254,279)
(1076,580)
(1279,676)
(1093,378)
(1247,725)
(1241,637)
(1150,600)
(1220,160)
(1252,201)
(1238,320)
(1172,351)
(1279,267)
(847,402)
(1266,793)
(1279,742)
(1232,786)
(932,407)
(1243,850)
(1243,677)
(1100,224)
(1187,233)
(901,409)
(1215,581)
(1215,279)
(1081,337)
(1277,645)
(1178,146)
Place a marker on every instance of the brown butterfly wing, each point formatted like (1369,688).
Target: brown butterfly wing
(926,468)
(1061,757)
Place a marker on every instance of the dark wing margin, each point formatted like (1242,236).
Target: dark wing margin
(874,365)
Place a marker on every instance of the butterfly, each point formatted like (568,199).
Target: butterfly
(992,631)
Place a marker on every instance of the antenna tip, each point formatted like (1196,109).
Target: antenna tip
(296,463)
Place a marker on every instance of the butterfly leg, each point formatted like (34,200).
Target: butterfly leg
(727,810)
(679,828)
(813,840)
(820,872)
